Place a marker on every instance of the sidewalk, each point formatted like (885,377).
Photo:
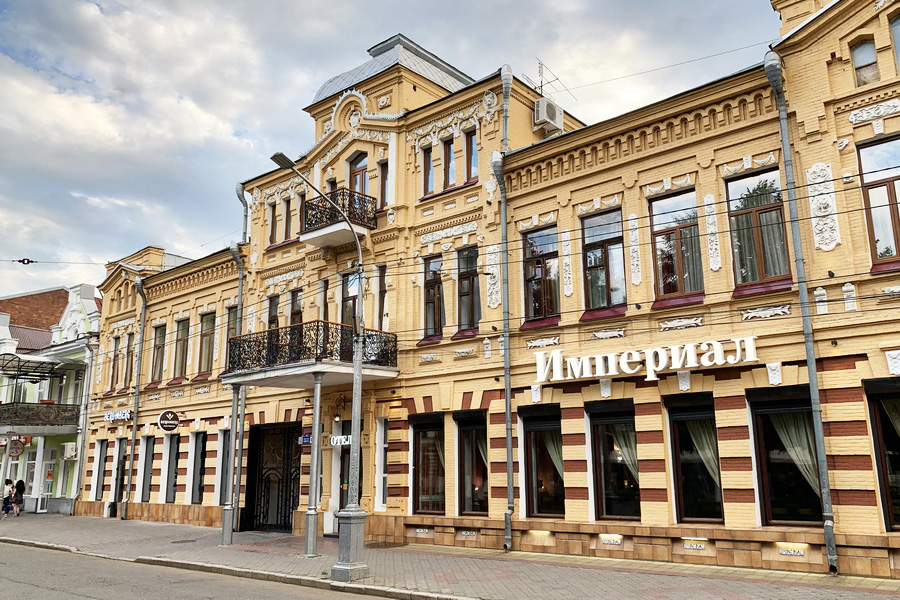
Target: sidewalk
(417,572)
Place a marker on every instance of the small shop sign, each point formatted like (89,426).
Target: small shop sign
(118,415)
(15,448)
(168,420)
(340,440)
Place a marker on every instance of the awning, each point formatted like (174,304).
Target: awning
(32,368)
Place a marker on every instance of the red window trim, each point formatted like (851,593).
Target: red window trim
(604,313)
(202,376)
(153,385)
(177,381)
(430,340)
(464,334)
(766,287)
(885,267)
(540,323)
(696,298)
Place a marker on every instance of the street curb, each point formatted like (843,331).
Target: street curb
(314,582)
(43,545)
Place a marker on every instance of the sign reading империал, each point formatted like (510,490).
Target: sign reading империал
(553,366)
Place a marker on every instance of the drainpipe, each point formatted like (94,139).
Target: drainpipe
(139,287)
(81,441)
(497,167)
(239,190)
(774,73)
(232,494)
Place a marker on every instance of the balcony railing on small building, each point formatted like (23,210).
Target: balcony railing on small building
(313,341)
(39,415)
(359,208)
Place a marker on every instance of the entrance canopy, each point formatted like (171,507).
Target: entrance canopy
(33,368)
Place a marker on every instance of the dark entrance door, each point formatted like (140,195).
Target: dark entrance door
(273,485)
(119,483)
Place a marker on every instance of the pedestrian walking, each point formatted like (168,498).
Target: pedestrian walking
(19,497)
(8,491)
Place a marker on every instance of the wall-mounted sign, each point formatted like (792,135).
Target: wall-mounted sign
(791,552)
(15,448)
(3,441)
(118,415)
(306,438)
(553,366)
(168,420)
(340,440)
(694,546)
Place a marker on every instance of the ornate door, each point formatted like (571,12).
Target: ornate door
(275,476)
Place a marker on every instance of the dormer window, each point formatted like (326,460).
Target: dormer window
(865,63)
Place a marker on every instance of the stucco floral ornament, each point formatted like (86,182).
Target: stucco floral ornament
(355,118)
(489,101)
(823,207)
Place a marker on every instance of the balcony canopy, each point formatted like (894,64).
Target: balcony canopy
(33,368)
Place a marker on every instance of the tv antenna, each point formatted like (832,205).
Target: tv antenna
(554,85)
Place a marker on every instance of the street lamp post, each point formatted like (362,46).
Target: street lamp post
(351,519)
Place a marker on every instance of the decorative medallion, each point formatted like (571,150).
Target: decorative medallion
(684,381)
(774,372)
(608,334)
(893,361)
(681,323)
(542,342)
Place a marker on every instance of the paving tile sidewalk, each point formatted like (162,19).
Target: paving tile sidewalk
(419,572)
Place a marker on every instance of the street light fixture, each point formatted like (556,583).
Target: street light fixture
(351,519)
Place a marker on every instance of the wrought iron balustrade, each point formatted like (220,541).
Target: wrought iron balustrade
(29,413)
(308,342)
(359,208)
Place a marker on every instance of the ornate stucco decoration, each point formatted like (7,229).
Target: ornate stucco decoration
(881,3)
(681,323)
(893,361)
(823,207)
(634,249)
(748,162)
(290,275)
(842,143)
(436,236)
(453,124)
(821,297)
(465,352)
(605,388)
(384,101)
(712,233)
(892,291)
(537,221)
(684,381)
(490,186)
(669,184)
(597,204)
(360,133)
(542,342)
(492,273)
(849,291)
(566,255)
(765,312)
(608,334)
(427,358)
(877,111)
(773,370)
(486,342)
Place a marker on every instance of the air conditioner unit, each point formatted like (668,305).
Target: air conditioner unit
(547,116)
(69,450)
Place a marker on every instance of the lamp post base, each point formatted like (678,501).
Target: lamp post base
(350,565)
(312,532)
(227,525)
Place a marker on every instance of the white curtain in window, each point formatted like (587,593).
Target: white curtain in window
(690,256)
(892,408)
(796,433)
(626,439)
(481,440)
(703,432)
(774,248)
(439,446)
(553,439)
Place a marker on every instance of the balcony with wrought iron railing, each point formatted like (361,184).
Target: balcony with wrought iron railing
(323,224)
(288,356)
(38,419)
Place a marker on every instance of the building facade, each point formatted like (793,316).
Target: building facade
(660,402)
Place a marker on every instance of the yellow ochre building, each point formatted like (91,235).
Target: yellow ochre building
(677,277)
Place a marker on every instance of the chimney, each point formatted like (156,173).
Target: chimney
(794,12)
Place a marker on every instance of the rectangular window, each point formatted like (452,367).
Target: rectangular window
(469,301)
(232,330)
(786,454)
(383,184)
(382,297)
(616,465)
(449,159)
(434,297)
(207,336)
(273,224)
(159,352)
(296,307)
(886,410)
(148,446)
(199,467)
(695,450)
(129,360)
(880,171)
(427,172)
(102,451)
(381,469)
(225,469)
(286,212)
(349,294)
(428,463)
(473,458)
(676,244)
(272,320)
(757,228)
(544,467)
(604,260)
(471,157)
(172,467)
(182,338)
(114,367)
(325,300)
(541,274)
(865,63)
(895,36)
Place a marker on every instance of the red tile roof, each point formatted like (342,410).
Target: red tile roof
(39,310)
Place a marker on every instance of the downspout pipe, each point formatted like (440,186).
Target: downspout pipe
(239,190)
(497,167)
(139,287)
(231,498)
(91,350)
(773,68)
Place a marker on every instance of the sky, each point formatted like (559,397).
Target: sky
(127,123)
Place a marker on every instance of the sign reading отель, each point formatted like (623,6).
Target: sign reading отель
(553,366)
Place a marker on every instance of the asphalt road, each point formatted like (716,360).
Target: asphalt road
(52,575)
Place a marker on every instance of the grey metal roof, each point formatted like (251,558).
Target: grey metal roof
(30,338)
(398,50)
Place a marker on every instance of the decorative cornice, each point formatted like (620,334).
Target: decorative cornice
(685,323)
